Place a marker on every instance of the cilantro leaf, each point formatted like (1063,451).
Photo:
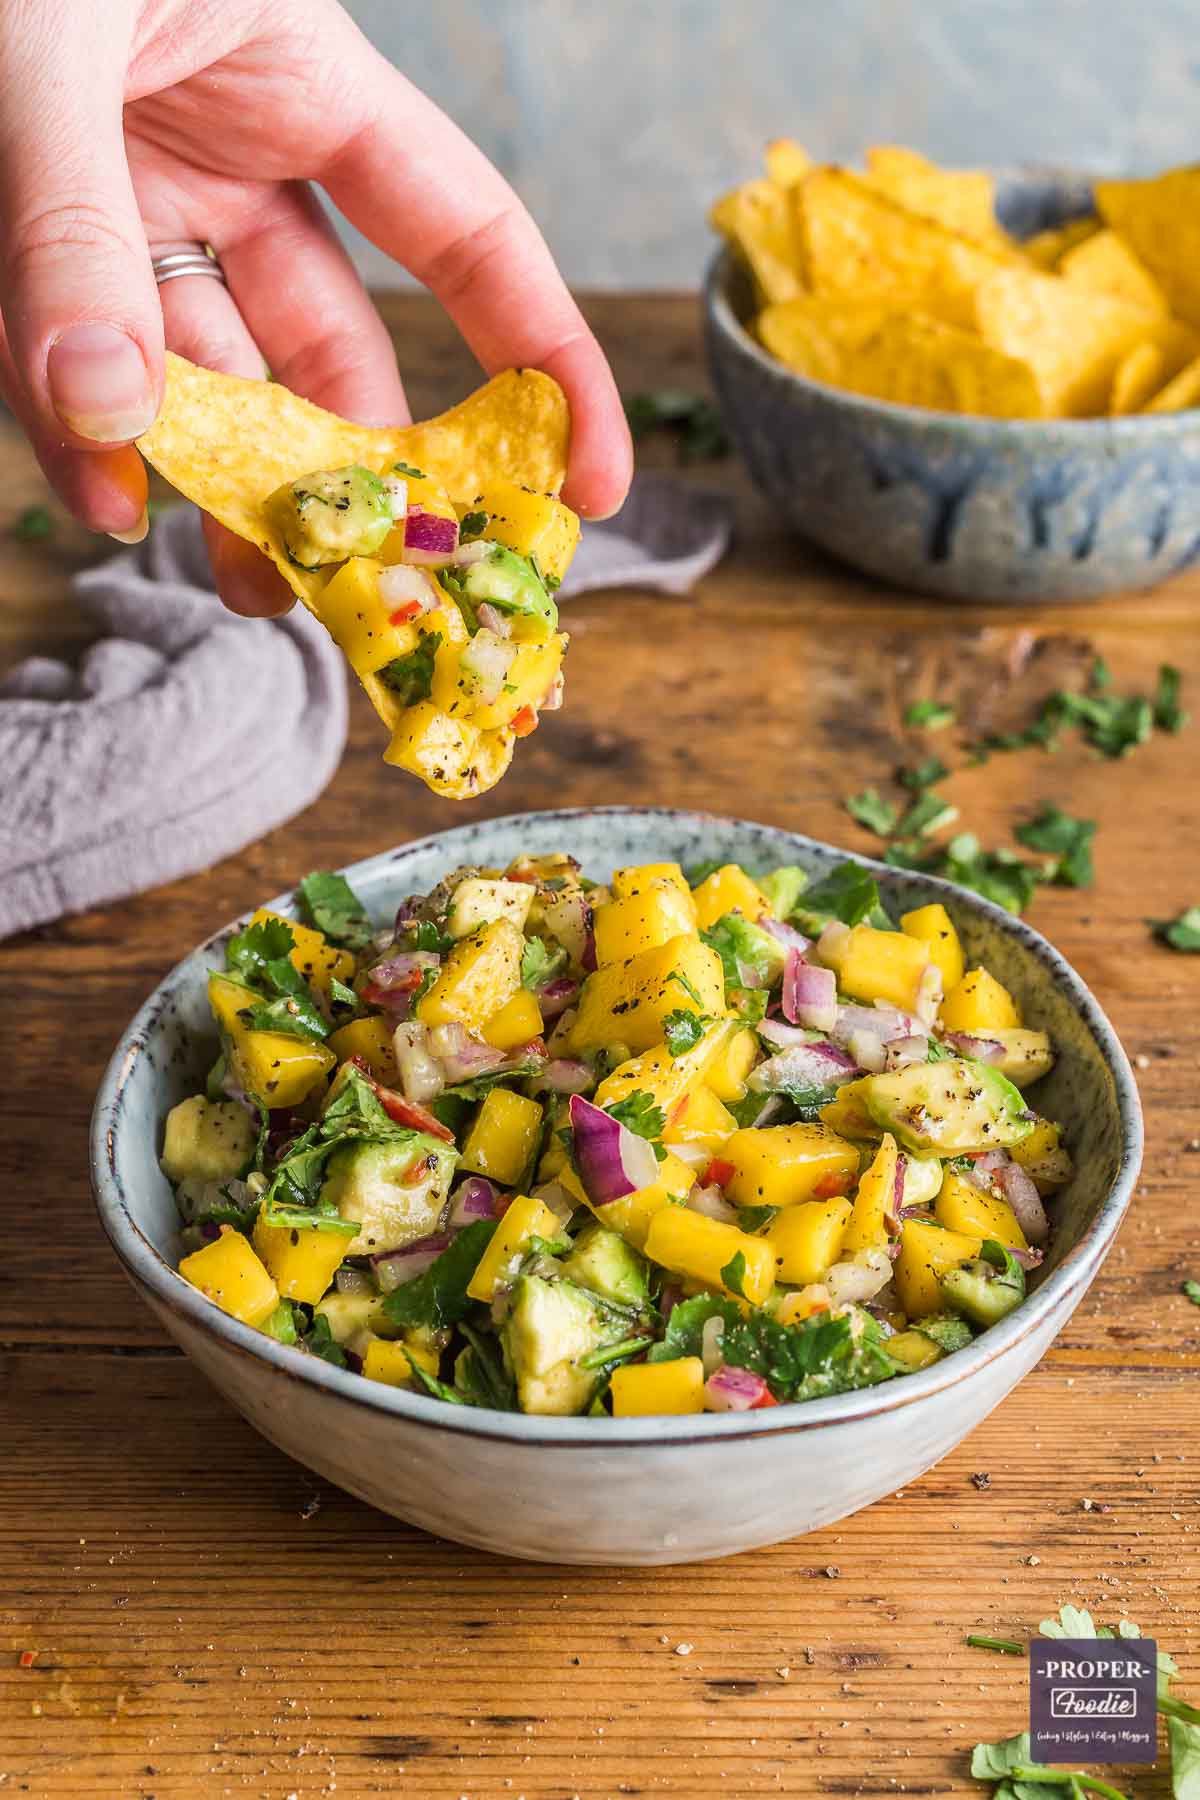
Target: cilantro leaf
(693,420)
(1192,1291)
(35,523)
(744,949)
(1184,1740)
(1167,713)
(992,1762)
(249,952)
(999,875)
(293,1015)
(1070,840)
(639,1114)
(688,986)
(435,1387)
(480,1375)
(439,1296)
(682,1030)
(540,964)
(411,676)
(733,1275)
(340,994)
(798,1362)
(282,1324)
(403,468)
(929,715)
(751,1219)
(927,814)
(847,893)
(1181,933)
(923,774)
(320,1341)
(330,903)
(473,525)
(873,812)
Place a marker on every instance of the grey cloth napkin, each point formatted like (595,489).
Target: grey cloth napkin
(186,733)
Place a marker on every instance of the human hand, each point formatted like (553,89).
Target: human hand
(133,126)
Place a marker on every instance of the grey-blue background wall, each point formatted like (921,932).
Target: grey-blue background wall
(618,120)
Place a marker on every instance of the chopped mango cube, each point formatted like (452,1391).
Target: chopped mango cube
(274,1067)
(628,1001)
(778,1165)
(631,1215)
(729,889)
(963,1207)
(913,1349)
(390,1361)
(635,877)
(450,756)
(727,1072)
(700,1119)
(302,1260)
(643,1389)
(312,954)
(690,1243)
(228,1273)
(1043,1157)
(978,1003)
(873,1202)
(532,524)
(503,1137)
(926,1254)
(479,976)
(371,1039)
(666,1078)
(933,926)
(807,1239)
(518,1021)
(641,921)
(525,1218)
(359,620)
(880,965)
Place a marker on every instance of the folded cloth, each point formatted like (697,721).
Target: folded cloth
(186,733)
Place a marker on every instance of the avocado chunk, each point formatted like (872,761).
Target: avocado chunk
(510,584)
(207,1140)
(948,1330)
(604,1263)
(394,1190)
(550,1325)
(948,1108)
(988,1287)
(330,515)
(743,945)
(353,1318)
(783,888)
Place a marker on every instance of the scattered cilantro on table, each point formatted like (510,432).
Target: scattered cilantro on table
(1068,840)
(1191,1290)
(929,715)
(878,815)
(928,814)
(691,418)
(923,774)
(1180,933)
(32,525)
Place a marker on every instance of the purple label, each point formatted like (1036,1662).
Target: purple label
(1093,1700)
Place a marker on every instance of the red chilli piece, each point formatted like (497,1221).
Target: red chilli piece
(833,1185)
(401,1111)
(719,1173)
(404,615)
(525,722)
(767,1399)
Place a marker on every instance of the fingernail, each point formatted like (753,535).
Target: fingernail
(99,384)
(135,533)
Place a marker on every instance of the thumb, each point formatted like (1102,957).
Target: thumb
(77,292)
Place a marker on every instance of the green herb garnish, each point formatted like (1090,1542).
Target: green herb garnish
(1068,840)
(330,903)
(1180,933)
(693,420)
(929,715)
(411,676)
(872,811)
(32,525)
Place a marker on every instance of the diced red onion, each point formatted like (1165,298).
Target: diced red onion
(353,1281)
(809,994)
(421,1077)
(1022,1195)
(613,1161)
(429,538)
(883,1022)
(773,1031)
(463,1057)
(803,1065)
(393,1268)
(712,1335)
(734,1390)
(669,1299)
(401,583)
(979,1049)
(557,995)
(564,1075)
(850,1283)
(832,941)
(693,1156)
(1028,1259)
(399,971)
(712,1203)
(929,995)
(475,1199)
(493,620)
(556,1197)
(784,933)
(902,1051)
(868,1051)
(588,960)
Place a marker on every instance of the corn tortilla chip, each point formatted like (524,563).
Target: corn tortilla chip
(1104,263)
(1136,377)
(963,200)
(1073,339)
(1047,248)
(855,240)
(1160,221)
(787,162)
(756,219)
(923,362)
(810,332)
(1180,393)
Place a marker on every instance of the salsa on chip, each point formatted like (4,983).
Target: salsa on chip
(431,553)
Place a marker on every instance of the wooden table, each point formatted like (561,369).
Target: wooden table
(209,1619)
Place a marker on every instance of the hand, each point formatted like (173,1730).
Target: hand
(229,113)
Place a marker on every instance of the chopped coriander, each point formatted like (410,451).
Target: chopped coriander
(689,987)
(439,1296)
(411,676)
(752,1219)
(1180,933)
(540,964)
(30,526)
(923,774)
(734,1274)
(999,875)
(929,715)
(929,813)
(877,814)
(693,420)
(340,994)
(248,952)
(639,1114)
(847,893)
(473,525)
(682,1030)
(612,1353)
(1167,713)
(1100,676)
(1191,1289)
(1067,839)
(403,468)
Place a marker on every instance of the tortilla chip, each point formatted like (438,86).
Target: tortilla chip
(963,200)
(787,162)
(228,443)
(1104,263)
(1180,393)
(1047,248)
(811,332)
(922,362)
(756,219)
(1136,377)
(1160,221)
(855,240)
(1073,339)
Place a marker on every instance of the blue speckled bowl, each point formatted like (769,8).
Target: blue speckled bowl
(972,508)
(619,1490)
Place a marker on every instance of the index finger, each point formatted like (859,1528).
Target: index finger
(419,188)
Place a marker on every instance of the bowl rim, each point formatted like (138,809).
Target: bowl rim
(167,1289)
(1134,427)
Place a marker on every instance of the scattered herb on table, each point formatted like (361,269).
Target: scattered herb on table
(928,814)
(1068,840)
(929,715)
(923,774)
(692,419)
(1180,933)
(32,525)
(1192,1291)
(999,875)
(1004,1646)
(877,814)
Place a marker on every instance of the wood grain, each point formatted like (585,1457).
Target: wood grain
(197,1634)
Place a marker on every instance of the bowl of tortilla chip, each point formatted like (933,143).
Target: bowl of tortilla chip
(977,385)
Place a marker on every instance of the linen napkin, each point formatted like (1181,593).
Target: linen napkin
(185,733)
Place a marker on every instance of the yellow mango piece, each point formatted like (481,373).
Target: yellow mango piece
(873,1202)
(207,1140)
(228,1273)
(914,1350)
(359,620)
(370,1039)
(756,221)
(274,1067)
(526,1218)
(388,1361)
(461,693)
(452,758)
(636,877)
(532,524)
(880,965)
(312,954)
(642,921)
(727,1073)
(846,1113)
(807,1239)
(961,1206)
(794,1309)
(977,1004)
(926,1254)
(932,926)
(479,976)
(301,1260)
(631,1216)
(729,890)
(666,1078)
(779,1165)
(517,1021)
(640,1390)
(689,1243)
(700,1119)
(503,1136)
(1042,1156)
(787,162)
(628,1001)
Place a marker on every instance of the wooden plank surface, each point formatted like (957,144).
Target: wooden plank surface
(200,1629)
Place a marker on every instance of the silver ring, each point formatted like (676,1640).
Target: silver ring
(188,259)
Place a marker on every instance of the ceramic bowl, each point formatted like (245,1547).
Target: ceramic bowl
(616,1491)
(946,503)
